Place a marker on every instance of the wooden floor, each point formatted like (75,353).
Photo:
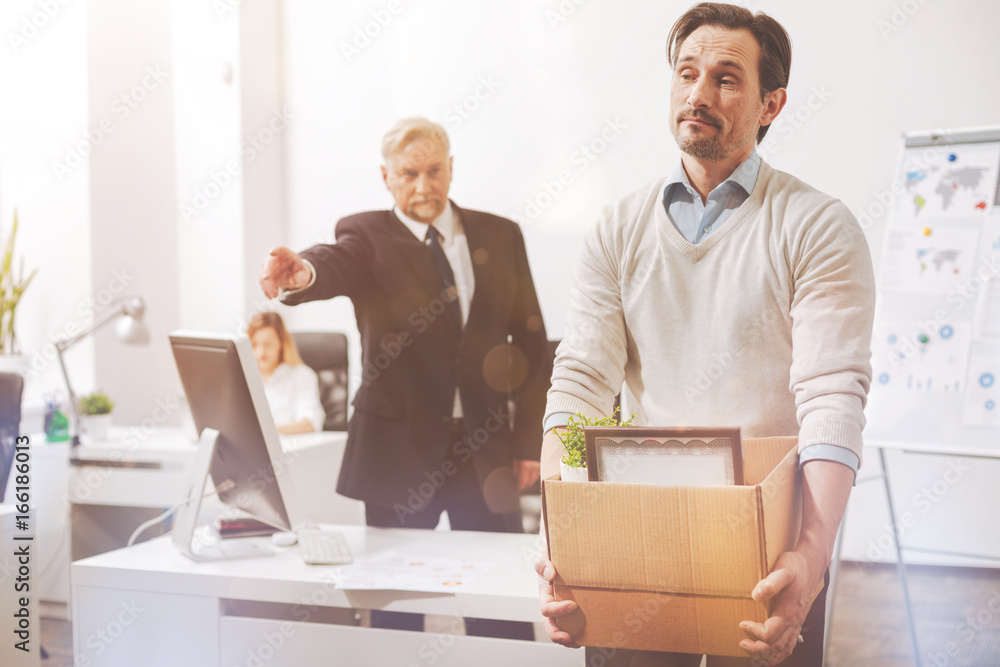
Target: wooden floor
(957,612)
(957,615)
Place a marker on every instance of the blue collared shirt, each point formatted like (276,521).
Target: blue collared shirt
(694,219)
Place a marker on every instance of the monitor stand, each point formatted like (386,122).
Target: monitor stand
(185,534)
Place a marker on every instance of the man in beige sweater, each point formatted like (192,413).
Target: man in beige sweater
(728,294)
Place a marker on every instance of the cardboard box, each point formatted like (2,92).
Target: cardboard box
(672,568)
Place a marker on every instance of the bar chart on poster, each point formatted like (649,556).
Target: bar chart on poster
(936,342)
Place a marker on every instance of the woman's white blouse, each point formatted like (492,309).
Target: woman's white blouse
(293,393)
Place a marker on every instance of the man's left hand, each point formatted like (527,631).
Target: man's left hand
(527,473)
(790,588)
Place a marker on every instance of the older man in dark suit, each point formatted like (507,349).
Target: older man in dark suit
(452,339)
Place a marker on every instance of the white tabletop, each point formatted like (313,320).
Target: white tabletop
(508,591)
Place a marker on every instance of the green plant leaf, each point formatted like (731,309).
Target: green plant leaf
(574,439)
(96,403)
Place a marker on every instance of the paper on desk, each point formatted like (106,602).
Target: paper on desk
(392,570)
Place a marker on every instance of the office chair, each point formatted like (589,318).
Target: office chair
(11,388)
(326,353)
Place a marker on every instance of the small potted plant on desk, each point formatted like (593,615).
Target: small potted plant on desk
(573,465)
(96,411)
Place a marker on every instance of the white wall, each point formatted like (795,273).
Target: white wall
(862,73)
(553,84)
(133,197)
(45,174)
(856,85)
(534,87)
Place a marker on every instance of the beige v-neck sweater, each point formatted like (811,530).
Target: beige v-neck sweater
(766,324)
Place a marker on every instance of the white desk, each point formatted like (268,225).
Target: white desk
(313,458)
(99,496)
(165,610)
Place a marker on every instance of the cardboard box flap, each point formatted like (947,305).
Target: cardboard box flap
(673,540)
(762,455)
(780,497)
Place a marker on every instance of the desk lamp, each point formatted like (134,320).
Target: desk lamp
(130,329)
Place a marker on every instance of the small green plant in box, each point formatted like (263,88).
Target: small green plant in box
(97,403)
(574,443)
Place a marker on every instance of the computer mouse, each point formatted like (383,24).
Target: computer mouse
(284,539)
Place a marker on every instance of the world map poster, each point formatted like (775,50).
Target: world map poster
(946,182)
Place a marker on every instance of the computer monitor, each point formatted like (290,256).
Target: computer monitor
(239,447)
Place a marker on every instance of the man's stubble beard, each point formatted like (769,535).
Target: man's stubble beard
(710,149)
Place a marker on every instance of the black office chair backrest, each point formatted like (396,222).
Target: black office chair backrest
(11,388)
(326,353)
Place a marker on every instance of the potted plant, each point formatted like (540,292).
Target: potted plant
(95,410)
(11,289)
(573,465)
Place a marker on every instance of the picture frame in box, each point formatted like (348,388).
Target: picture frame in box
(702,456)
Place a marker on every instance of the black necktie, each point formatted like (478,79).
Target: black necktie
(447,276)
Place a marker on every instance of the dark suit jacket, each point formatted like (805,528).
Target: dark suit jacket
(400,445)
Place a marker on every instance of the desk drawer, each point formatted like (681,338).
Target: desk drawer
(113,628)
(251,641)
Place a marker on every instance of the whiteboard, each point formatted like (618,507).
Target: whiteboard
(936,341)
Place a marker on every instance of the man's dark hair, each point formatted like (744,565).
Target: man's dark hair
(775,47)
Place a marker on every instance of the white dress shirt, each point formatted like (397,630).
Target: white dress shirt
(293,394)
(456,249)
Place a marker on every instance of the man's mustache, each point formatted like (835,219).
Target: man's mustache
(700,115)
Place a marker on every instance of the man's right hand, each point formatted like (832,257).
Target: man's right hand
(551,609)
(283,269)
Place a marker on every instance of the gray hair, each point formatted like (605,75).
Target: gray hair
(408,130)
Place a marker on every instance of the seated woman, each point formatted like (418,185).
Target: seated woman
(292,388)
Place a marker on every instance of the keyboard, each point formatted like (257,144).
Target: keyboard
(323,547)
